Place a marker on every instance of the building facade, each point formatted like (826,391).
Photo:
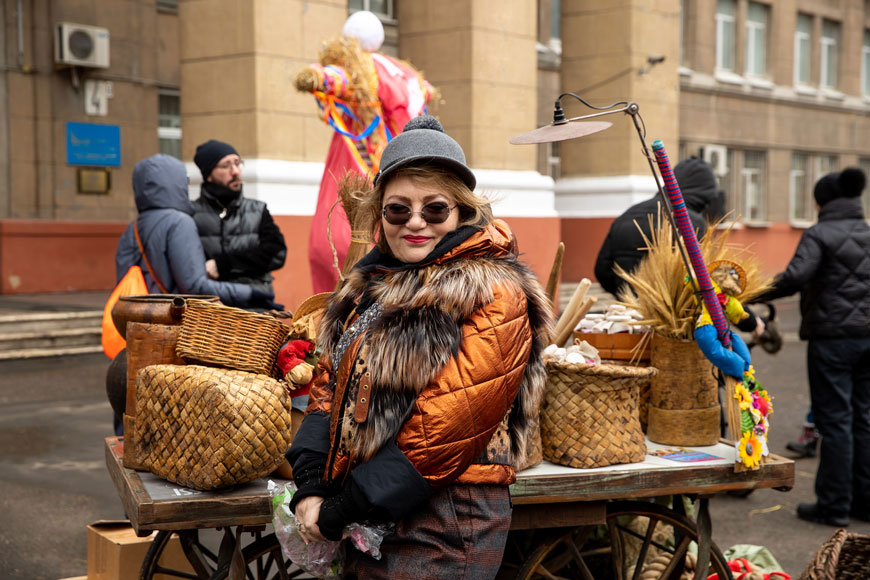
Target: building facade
(774,94)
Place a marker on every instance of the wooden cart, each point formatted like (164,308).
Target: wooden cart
(556,509)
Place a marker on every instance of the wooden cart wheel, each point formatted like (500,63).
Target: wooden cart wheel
(264,560)
(641,541)
(203,560)
(551,554)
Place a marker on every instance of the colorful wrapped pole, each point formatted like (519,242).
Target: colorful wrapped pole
(690,239)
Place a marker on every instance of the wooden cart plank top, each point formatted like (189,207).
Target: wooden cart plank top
(155,504)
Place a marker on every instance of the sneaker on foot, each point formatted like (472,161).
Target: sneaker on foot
(806,445)
(812,512)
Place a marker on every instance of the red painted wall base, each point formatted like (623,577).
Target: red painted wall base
(44,256)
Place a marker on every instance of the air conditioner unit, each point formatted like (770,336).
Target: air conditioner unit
(717,157)
(81,45)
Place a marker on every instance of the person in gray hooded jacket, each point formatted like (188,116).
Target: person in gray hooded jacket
(170,238)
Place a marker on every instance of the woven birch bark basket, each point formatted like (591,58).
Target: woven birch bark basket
(589,416)
(233,338)
(207,428)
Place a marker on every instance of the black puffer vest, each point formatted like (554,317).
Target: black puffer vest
(236,234)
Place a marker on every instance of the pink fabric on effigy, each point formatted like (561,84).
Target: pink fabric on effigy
(401,95)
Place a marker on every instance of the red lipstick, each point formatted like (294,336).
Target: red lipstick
(416,239)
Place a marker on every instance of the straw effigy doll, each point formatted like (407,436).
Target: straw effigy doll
(366,97)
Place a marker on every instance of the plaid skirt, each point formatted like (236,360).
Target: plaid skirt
(460,534)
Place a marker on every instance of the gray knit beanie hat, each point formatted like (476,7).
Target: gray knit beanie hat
(423,141)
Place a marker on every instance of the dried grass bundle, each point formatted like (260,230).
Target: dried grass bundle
(658,286)
(351,189)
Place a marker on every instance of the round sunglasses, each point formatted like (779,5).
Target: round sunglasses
(398,214)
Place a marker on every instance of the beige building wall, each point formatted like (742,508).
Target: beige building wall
(43,98)
(605,52)
(484,62)
(771,115)
(237,80)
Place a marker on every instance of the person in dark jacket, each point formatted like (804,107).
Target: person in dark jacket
(831,270)
(170,239)
(624,245)
(241,240)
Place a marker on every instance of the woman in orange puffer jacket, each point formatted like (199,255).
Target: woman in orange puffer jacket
(430,375)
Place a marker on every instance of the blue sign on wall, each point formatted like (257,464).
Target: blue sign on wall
(92,144)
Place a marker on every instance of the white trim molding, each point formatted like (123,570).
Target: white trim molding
(517,193)
(601,196)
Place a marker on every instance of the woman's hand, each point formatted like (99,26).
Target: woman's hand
(307,514)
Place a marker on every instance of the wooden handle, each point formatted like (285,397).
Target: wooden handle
(576,317)
(573,305)
(555,273)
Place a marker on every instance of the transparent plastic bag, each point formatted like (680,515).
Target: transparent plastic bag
(320,559)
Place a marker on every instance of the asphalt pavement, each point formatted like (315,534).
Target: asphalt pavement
(53,481)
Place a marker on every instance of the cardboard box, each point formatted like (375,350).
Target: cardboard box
(115,552)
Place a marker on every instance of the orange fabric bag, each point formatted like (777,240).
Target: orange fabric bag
(133,283)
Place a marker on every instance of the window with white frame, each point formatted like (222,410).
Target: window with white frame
(725,34)
(825,164)
(802,48)
(169,124)
(865,64)
(829,61)
(800,208)
(383,8)
(756,39)
(728,184)
(752,177)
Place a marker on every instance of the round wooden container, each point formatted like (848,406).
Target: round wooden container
(684,395)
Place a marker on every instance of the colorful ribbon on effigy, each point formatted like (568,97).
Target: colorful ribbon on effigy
(690,240)
(335,110)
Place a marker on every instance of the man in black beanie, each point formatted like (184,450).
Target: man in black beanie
(241,240)
(831,270)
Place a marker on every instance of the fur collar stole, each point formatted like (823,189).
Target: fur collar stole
(420,327)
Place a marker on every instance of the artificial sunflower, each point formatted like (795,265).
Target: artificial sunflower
(743,396)
(750,450)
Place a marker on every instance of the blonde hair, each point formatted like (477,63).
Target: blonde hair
(474,210)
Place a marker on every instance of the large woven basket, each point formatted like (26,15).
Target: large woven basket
(589,416)
(228,337)
(206,428)
(845,556)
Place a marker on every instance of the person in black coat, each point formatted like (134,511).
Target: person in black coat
(624,244)
(831,270)
(241,240)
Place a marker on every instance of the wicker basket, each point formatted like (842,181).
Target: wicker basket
(233,338)
(207,428)
(589,416)
(845,556)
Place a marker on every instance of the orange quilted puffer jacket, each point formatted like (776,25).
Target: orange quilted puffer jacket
(444,359)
